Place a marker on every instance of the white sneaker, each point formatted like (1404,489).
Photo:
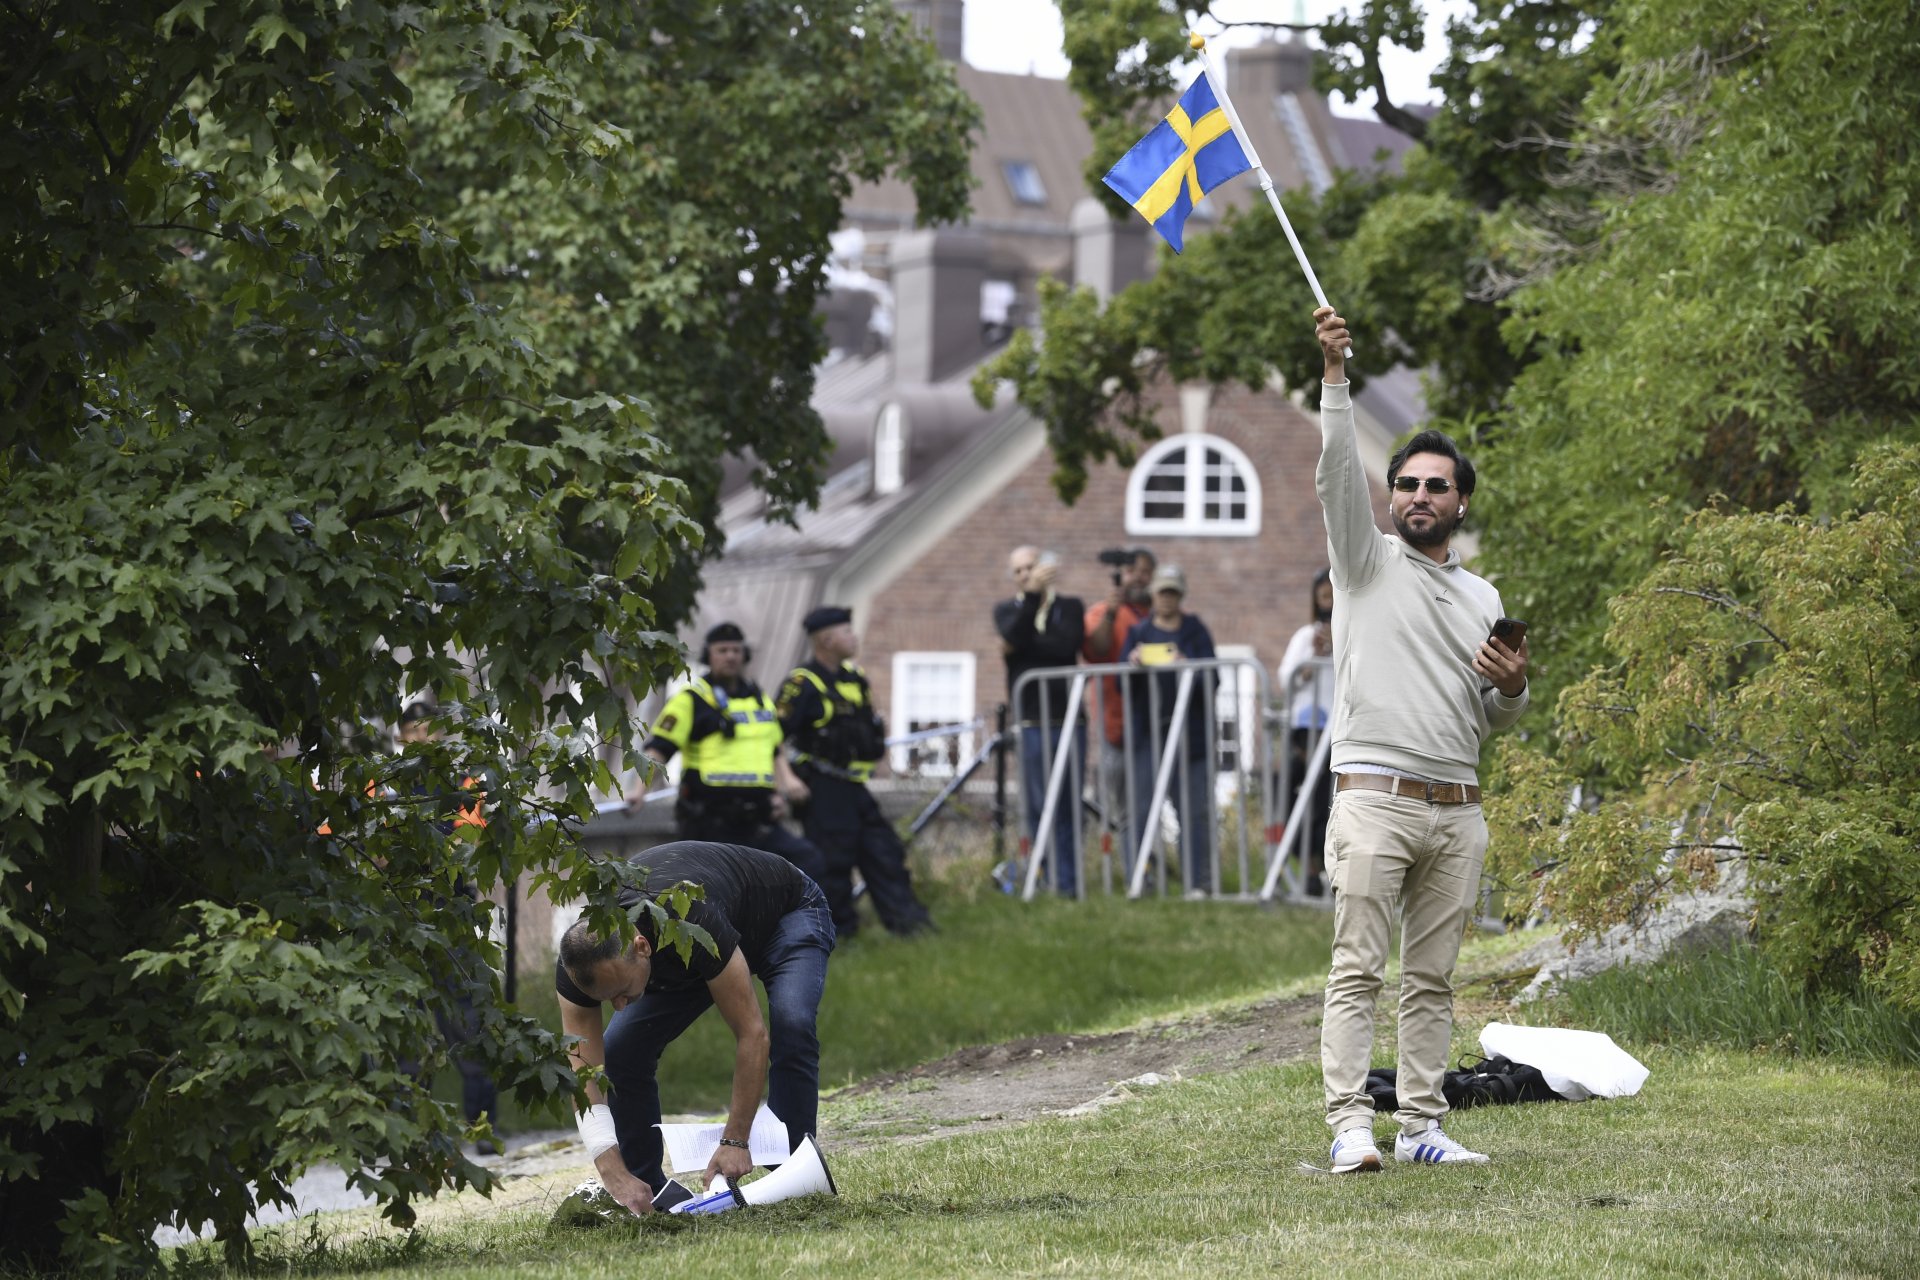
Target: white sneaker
(1354,1152)
(1433,1147)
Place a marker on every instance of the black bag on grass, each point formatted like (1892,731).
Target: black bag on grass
(1486,1082)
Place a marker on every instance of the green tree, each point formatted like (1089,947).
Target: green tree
(1737,323)
(696,273)
(266,463)
(1764,694)
(1421,261)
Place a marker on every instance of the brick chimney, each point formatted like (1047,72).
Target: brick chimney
(938,275)
(1257,74)
(942,20)
(1107,255)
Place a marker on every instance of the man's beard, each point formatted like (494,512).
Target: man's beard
(1433,537)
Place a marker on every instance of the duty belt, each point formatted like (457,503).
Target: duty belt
(1411,788)
(857,771)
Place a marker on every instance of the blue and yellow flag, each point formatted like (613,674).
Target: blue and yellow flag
(1185,156)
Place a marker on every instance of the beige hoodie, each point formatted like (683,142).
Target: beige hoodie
(1404,631)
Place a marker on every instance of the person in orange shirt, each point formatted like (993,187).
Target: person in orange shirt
(1108,622)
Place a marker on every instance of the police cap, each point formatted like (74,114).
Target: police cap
(827,615)
(725,631)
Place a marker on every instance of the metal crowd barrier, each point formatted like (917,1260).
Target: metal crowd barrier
(1289,865)
(1159,768)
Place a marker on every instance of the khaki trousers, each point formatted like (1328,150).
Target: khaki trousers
(1384,851)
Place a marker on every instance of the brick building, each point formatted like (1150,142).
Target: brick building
(927,493)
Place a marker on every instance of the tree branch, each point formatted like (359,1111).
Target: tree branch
(1729,604)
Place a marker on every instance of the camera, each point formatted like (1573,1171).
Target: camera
(1119,558)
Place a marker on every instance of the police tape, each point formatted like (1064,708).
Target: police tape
(900,740)
(943,731)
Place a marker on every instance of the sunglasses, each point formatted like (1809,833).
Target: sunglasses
(1411,484)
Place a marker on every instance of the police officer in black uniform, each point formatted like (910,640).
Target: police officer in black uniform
(734,771)
(827,711)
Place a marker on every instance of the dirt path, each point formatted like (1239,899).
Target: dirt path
(984,1087)
(1003,1084)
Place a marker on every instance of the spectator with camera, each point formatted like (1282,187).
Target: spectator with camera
(1168,635)
(1040,628)
(1108,623)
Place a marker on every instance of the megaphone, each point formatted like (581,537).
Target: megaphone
(803,1174)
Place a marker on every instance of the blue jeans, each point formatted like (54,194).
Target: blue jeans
(1035,760)
(794,973)
(1193,802)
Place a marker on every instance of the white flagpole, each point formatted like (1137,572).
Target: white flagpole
(1199,44)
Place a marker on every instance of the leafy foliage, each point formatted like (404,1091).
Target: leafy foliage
(696,269)
(279,449)
(1655,258)
(1766,701)
(1737,325)
(1410,258)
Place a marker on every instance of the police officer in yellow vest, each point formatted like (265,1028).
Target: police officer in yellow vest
(836,739)
(734,773)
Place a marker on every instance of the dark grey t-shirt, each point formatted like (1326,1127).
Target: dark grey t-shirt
(748,891)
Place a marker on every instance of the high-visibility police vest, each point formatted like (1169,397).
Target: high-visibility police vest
(846,736)
(741,756)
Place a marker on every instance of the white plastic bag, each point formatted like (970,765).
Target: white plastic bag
(1577,1064)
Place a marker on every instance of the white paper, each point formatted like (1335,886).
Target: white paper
(1576,1064)
(690,1146)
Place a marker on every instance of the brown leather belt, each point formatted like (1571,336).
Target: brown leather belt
(1411,788)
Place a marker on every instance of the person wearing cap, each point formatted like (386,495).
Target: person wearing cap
(734,778)
(1167,635)
(1421,685)
(1039,628)
(826,710)
(1108,622)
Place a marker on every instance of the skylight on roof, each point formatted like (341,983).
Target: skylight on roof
(1023,179)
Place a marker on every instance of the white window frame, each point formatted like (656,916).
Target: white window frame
(963,710)
(1192,522)
(889,449)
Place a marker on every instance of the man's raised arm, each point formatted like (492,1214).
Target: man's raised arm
(1354,546)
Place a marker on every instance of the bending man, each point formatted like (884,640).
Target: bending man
(769,922)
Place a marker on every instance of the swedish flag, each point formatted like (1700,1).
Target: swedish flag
(1185,156)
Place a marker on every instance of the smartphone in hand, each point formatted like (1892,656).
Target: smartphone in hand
(1510,632)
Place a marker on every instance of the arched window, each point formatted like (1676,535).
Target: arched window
(1195,486)
(889,450)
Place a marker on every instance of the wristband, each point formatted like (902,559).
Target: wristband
(596,1130)
(733,1142)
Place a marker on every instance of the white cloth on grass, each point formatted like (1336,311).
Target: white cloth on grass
(1577,1065)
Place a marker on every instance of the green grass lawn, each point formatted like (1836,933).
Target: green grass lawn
(1000,968)
(1731,1162)
(1726,1165)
